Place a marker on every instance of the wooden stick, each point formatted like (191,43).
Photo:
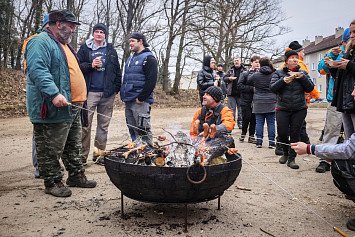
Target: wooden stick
(340,231)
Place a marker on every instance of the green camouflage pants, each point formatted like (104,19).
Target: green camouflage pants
(55,141)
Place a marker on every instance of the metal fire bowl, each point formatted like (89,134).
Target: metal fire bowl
(170,184)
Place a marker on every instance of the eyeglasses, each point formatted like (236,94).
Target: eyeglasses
(99,32)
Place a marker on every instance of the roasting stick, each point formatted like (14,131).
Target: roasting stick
(104,115)
(129,125)
(335,228)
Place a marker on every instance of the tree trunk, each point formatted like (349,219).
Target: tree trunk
(178,69)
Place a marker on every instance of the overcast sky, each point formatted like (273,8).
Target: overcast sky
(308,18)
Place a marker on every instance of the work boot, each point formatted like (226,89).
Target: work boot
(323,167)
(291,163)
(283,159)
(242,137)
(79,180)
(58,190)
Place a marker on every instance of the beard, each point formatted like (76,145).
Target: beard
(65,35)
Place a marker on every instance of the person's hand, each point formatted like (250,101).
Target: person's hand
(329,62)
(336,50)
(341,64)
(288,80)
(60,101)
(232,78)
(138,101)
(215,83)
(299,147)
(96,63)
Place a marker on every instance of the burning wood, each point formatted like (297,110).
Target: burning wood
(181,151)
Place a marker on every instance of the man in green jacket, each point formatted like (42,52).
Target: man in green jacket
(54,81)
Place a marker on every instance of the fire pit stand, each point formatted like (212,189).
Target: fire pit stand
(185,204)
(154,184)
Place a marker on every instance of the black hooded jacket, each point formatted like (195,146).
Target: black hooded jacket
(205,77)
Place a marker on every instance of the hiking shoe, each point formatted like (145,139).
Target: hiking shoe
(58,190)
(292,164)
(80,181)
(323,167)
(351,224)
(283,159)
(259,146)
(252,140)
(242,137)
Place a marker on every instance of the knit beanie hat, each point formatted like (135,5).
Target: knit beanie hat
(289,54)
(140,36)
(215,92)
(346,35)
(207,60)
(294,45)
(100,26)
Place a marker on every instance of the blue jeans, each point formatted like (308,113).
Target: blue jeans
(270,121)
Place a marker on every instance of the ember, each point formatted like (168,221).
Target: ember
(181,151)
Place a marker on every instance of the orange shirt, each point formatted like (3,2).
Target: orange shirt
(77,81)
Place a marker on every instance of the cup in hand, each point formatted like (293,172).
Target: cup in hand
(98,62)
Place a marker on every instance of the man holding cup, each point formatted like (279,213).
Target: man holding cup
(101,69)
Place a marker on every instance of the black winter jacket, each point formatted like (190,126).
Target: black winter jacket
(205,79)
(290,96)
(232,86)
(246,91)
(113,74)
(344,86)
(261,82)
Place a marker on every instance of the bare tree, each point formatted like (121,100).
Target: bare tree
(226,28)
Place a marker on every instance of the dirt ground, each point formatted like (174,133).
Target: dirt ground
(281,201)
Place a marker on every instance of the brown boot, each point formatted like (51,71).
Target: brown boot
(58,190)
(80,181)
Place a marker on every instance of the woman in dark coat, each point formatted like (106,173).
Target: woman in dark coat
(264,101)
(290,84)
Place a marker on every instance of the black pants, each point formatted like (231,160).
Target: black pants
(289,124)
(248,120)
(303,135)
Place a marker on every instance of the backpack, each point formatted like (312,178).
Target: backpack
(343,172)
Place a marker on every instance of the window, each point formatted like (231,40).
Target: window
(320,88)
(320,56)
(313,67)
